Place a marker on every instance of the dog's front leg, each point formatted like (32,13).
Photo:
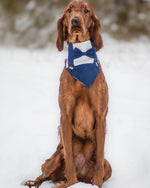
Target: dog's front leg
(100,139)
(66,126)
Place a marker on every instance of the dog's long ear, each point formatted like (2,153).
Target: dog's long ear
(95,33)
(60,37)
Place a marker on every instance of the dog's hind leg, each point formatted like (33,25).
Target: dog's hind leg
(107,170)
(52,169)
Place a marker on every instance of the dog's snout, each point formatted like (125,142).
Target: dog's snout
(75,21)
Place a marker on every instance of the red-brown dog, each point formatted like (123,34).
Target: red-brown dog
(80,153)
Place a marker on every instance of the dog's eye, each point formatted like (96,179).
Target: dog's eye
(69,10)
(86,10)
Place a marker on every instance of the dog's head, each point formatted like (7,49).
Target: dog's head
(77,24)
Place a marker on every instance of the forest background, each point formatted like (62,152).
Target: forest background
(32,23)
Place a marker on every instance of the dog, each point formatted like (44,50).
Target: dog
(83,101)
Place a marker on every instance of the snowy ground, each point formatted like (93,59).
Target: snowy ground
(29,112)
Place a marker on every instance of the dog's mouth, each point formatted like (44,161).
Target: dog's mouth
(76,30)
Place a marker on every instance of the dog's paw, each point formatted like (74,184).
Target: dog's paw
(97,181)
(60,185)
(31,183)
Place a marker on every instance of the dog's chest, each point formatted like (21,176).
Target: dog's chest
(83,119)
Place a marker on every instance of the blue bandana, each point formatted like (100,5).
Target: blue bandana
(82,62)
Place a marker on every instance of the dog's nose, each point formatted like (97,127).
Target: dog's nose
(75,21)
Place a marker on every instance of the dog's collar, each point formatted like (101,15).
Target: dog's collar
(82,62)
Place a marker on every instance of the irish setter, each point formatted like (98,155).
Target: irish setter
(80,153)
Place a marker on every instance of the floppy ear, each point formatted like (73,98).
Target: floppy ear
(60,37)
(95,33)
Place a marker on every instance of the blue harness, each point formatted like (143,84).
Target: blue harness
(83,65)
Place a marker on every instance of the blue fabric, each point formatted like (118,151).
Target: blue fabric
(87,72)
(90,53)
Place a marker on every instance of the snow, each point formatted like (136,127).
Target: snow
(29,112)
